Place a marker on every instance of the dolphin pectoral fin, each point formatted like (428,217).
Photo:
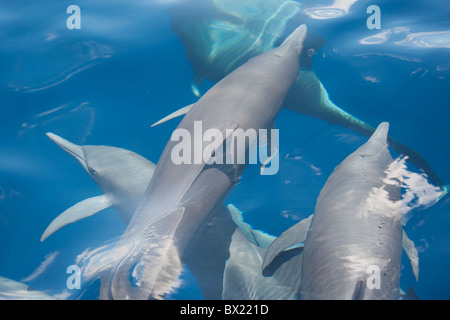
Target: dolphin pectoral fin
(175,114)
(293,238)
(82,209)
(258,238)
(411,252)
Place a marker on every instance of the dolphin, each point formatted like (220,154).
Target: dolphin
(181,197)
(218,37)
(121,174)
(243,278)
(14,290)
(354,243)
(273,265)
(124,176)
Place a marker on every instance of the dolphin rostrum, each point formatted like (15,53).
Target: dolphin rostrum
(120,173)
(354,243)
(219,37)
(181,197)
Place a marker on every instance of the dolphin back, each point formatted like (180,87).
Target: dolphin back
(354,244)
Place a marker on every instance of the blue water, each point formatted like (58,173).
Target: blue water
(106,83)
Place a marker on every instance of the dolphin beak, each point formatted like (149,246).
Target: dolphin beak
(72,149)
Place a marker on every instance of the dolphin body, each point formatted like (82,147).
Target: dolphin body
(181,197)
(354,243)
(243,276)
(218,37)
(124,176)
(273,265)
(121,174)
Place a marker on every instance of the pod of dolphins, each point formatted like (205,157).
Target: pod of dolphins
(175,213)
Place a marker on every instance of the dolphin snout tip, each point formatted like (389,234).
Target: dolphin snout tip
(55,138)
(50,135)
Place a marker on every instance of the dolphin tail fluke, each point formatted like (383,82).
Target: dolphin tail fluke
(81,210)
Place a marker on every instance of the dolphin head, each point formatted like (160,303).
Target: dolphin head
(115,170)
(74,150)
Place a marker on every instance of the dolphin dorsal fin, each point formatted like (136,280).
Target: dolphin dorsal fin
(175,114)
(257,237)
(81,210)
(292,238)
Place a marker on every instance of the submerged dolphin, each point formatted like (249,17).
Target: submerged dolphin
(220,36)
(354,243)
(181,197)
(243,277)
(273,265)
(122,175)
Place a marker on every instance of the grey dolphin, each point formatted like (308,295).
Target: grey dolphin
(243,277)
(181,197)
(122,175)
(218,37)
(273,265)
(354,243)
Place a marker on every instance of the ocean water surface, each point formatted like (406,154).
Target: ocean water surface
(131,64)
